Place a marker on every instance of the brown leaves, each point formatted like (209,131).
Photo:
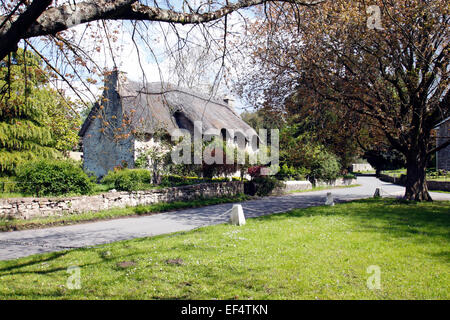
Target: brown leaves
(126,264)
(177,261)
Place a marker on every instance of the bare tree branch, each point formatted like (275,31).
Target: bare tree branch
(10,37)
(37,20)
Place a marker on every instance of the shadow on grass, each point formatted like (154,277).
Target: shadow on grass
(12,264)
(412,220)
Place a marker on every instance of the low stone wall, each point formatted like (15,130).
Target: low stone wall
(290,186)
(296,185)
(336,183)
(26,208)
(362,167)
(432,185)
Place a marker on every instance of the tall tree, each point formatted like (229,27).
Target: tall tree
(388,63)
(35,121)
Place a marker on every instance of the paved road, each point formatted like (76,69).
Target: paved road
(18,244)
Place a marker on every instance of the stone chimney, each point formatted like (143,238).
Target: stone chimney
(111,99)
(111,80)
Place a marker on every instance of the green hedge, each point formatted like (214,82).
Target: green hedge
(53,178)
(291,173)
(129,179)
(140,179)
(325,167)
(262,185)
(349,176)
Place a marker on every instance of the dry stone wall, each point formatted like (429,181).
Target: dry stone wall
(291,186)
(26,208)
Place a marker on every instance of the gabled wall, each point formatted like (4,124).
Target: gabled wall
(101,151)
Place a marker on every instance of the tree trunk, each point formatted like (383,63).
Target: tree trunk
(416,184)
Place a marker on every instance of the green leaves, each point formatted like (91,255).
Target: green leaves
(129,179)
(53,178)
(35,120)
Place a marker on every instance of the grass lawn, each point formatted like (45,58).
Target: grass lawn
(4,195)
(66,219)
(314,253)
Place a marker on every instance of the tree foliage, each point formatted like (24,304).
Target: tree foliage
(35,121)
(53,178)
(395,78)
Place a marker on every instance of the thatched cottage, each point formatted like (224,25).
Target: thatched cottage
(129,113)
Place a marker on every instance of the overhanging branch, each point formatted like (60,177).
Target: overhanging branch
(10,36)
(41,21)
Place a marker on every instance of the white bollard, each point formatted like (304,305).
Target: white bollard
(237,215)
(330,200)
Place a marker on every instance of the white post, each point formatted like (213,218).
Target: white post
(329,201)
(237,215)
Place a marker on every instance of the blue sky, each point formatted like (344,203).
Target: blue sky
(155,65)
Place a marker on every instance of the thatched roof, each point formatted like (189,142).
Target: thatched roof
(156,105)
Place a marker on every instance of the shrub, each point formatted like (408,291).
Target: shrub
(325,167)
(284,172)
(264,185)
(349,176)
(291,173)
(129,179)
(141,161)
(255,171)
(212,170)
(53,178)
(186,169)
(302,173)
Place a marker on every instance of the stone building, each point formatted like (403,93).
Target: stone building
(125,119)
(442,135)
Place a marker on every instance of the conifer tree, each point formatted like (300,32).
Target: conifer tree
(28,128)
